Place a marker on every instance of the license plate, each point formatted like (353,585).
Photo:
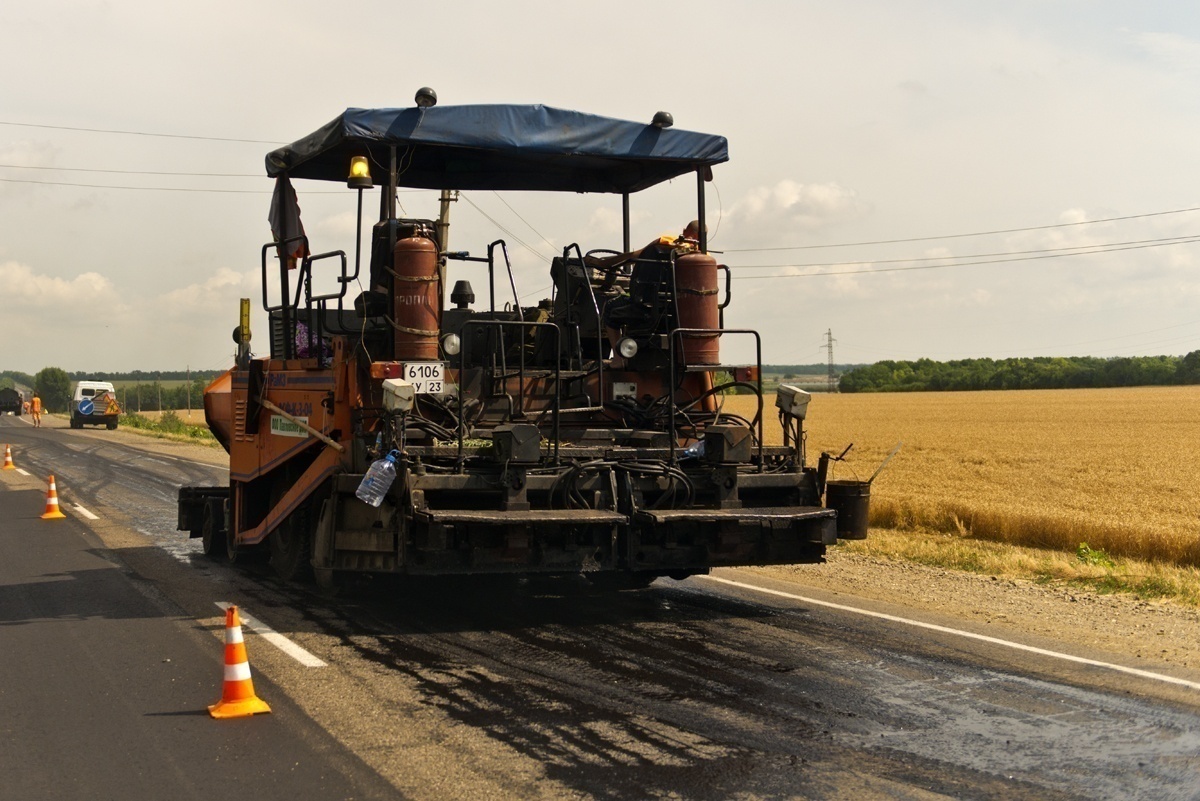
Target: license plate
(427,378)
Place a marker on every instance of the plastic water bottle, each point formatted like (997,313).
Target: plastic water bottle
(378,480)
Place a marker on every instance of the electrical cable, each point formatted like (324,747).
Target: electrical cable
(1083,248)
(1186,241)
(727,250)
(178,189)
(974,233)
(134,172)
(158,188)
(522,219)
(496,223)
(142,133)
(143,188)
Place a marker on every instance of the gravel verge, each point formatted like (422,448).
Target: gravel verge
(137,438)
(1158,632)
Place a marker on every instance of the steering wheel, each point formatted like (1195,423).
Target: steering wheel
(622,267)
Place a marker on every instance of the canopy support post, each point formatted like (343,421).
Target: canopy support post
(393,180)
(625,222)
(443,235)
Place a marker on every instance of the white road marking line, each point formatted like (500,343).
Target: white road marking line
(1145,674)
(275,638)
(22,472)
(85,512)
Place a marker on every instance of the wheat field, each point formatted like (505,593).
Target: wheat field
(1118,469)
(194,417)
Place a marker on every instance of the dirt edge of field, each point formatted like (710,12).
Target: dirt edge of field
(1145,634)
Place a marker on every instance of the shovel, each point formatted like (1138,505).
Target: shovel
(886,459)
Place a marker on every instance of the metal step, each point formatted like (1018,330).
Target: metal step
(764,514)
(515,517)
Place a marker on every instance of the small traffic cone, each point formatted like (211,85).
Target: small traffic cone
(8,463)
(237,697)
(52,511)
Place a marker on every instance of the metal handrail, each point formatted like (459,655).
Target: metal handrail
(314,338)
(462,364)
(587,280)
(683,332)
(283,308)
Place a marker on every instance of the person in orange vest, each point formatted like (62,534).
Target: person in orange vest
(657,250)
(35,408)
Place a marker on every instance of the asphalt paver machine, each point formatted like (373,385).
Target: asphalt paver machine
(584,433)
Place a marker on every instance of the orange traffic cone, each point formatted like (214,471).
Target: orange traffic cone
(8,463)
(237,697)
(52,511)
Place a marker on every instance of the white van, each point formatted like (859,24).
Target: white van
(94,403)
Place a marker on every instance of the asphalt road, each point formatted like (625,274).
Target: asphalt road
(472,689)
(105,683)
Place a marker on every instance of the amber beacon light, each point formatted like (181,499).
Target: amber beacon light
(360,173)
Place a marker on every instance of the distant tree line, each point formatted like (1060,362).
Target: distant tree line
(154,396)
(806,369)
(136,391)
(1045,372)
(147,377)
(9,378)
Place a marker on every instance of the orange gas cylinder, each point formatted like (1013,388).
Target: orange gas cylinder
(418,305)
(696,290)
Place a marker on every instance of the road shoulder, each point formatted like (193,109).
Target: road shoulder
(1146,633)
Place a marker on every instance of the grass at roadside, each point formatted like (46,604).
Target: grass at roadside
(168,425)
(1085,567)
(1039,528)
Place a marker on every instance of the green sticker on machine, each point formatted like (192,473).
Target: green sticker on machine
(283,427)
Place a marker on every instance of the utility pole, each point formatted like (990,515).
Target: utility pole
(829,340)
(442,226)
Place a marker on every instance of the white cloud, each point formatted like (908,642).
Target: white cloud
(338,227)
(27,293)
(980,297)
(217,295)
(604,222)
(771,213)
(1178,52)
(20,183)
(28,154)
(66,322)
(911,87)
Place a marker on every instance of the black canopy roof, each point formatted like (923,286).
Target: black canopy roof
(500,147)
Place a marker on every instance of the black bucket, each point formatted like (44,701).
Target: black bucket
(852,502)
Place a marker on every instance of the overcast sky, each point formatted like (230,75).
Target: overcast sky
(848,123)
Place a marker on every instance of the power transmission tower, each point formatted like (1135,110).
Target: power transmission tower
(829,340)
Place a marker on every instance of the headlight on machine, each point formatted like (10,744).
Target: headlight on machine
(451,344)
(627,347)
